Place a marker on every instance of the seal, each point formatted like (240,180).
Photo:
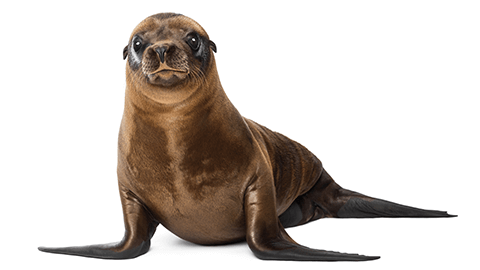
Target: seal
(188,160)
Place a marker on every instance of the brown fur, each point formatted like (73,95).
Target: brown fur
(188,160)
(192,160)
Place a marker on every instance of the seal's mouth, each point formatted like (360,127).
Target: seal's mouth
(151,67)
(168,70)
(166,76)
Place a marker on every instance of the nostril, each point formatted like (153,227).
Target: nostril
(161,52)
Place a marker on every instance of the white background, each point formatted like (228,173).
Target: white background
(385,93)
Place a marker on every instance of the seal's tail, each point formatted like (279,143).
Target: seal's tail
(328,199)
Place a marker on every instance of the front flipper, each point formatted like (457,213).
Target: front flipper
(104,251)
(266,236)
(139,229)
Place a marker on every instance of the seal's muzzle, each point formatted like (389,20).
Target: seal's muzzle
(165,64)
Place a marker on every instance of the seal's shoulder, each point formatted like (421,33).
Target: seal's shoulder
(282,151)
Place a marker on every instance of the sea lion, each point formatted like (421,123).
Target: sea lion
(188,160)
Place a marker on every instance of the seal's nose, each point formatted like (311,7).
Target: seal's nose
(161,52)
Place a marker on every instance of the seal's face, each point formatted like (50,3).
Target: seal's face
(168,52)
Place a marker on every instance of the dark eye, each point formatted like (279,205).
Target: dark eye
(193,41)
(137,44)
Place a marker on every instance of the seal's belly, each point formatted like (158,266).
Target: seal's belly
(216,218)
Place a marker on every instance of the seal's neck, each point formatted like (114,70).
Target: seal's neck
(206,106)
(206,95)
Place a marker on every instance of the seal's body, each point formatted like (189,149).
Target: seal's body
(189,161)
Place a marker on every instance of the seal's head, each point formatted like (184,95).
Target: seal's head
(169,56)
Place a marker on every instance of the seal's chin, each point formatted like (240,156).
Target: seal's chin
(167,77)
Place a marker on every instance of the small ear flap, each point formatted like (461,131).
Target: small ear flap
(212,45)
(125,52)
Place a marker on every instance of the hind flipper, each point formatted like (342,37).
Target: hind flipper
(350,204)
(343,203)
(139,229)
(360,206)
(328,199)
